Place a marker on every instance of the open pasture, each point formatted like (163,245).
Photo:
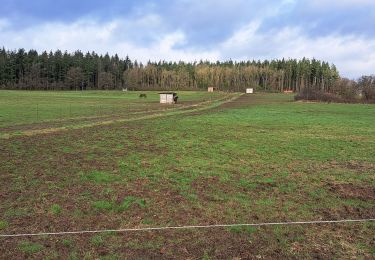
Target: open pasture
(258,158)
(26,107)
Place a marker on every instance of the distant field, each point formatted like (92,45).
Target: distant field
(25,107)
(259,158)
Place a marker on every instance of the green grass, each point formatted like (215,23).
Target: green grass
(129,201)
(67,242)
(29,247)
(267,159)
(99,177)
(97,240)
(55,209)
(103,205)
(3,224)
(25,107)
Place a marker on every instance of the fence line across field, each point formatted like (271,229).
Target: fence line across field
(187,227)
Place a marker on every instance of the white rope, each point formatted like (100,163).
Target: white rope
(186,227)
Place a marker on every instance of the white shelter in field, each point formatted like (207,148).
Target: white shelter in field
(211,89)
(249,91)
(168,98)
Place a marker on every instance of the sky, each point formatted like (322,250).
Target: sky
(341,32)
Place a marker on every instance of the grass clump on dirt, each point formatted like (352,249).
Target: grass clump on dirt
(29,247)
(55,209)
(97,240)
(102,205)
(129,201)
(67,242)
(3,224)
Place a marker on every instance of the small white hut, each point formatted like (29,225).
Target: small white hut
(249,91)
(211,89)
(168,98)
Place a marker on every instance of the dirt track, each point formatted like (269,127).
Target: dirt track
(76,123)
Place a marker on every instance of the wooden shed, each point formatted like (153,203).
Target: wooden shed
(249,91)
(168,98)
(211,89)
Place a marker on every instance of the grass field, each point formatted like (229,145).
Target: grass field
(209,160)
(18,108)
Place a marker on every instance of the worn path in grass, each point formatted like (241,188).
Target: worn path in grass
(37,107)
(261,158)
(84,122)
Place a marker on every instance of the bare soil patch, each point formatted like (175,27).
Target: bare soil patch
(351,191)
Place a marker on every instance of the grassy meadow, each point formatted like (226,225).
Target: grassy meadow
(27,107)
(212,160)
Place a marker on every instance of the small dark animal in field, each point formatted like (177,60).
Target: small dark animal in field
(142,95)
(175,98)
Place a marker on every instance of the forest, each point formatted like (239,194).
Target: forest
(30,70)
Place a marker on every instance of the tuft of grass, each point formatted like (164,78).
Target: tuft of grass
(67,242)
(97,240)
(243,229)
(247,184)
(129,201)
(102,205)
(3,224)
(29,247)
(267,180)
(206,256)
(55,209)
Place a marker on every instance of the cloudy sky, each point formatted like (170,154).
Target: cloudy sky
(338,31)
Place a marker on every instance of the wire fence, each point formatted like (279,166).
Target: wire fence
(80,232)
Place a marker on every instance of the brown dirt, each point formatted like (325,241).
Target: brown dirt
(351,191)
(358,166)
(346,212)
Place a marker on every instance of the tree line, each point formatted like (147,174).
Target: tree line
(30,70)
(60,71)
(344,90)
